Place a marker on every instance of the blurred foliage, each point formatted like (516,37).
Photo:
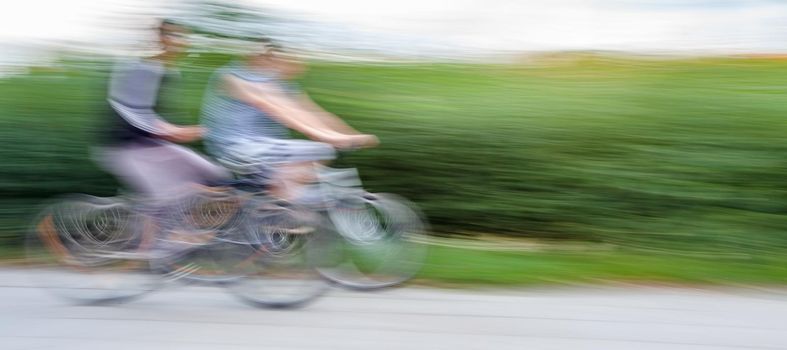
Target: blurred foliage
(653,154)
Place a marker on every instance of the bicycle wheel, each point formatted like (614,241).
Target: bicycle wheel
(211,213)
(382,242)
(87,249)
(279,268)
(208,209)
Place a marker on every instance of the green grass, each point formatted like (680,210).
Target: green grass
(467,267)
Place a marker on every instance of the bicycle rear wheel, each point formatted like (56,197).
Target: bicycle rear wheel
(382,243)
(87,250)
(279,268)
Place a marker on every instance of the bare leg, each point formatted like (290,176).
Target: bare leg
(289,180)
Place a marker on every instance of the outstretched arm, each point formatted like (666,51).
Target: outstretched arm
(326,118)
(269,98)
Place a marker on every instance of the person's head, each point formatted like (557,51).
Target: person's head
(271,56)
(172,36)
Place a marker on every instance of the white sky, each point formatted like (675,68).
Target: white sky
(724,25)
(566,24)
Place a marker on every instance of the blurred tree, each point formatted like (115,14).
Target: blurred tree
(226,25)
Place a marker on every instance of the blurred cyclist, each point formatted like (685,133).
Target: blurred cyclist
(138,144)
(249,106)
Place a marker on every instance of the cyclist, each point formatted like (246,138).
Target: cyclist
(249,106)
(138,145)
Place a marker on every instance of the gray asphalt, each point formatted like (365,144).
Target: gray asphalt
(197,318)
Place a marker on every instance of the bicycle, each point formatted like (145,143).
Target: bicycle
(378,238)
(358,240)
(93,250)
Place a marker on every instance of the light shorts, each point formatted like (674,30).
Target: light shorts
(273,152)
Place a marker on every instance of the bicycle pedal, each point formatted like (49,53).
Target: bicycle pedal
(301,230)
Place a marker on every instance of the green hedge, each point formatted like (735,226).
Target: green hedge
(684,154)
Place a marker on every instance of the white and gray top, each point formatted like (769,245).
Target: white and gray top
(133,98)
(229,120)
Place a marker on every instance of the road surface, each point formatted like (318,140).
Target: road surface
(197,318)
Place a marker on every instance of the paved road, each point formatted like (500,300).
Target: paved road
(197,318)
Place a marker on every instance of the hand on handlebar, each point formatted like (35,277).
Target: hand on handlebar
(355,141)
(184,134)
(365,141)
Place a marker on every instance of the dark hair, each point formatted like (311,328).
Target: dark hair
(270,46)
(167,22)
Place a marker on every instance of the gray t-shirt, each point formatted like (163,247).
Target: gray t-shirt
(133,98)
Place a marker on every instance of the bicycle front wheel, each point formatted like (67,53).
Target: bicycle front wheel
(215,214)
(279,268)
(382,243)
